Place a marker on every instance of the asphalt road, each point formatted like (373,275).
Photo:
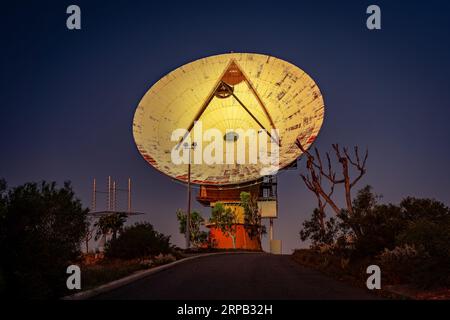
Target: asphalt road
(236,277)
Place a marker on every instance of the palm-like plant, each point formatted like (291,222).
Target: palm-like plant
(111,223)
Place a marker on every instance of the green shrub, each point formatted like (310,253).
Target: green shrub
(319,235)
(198,236)
(372,226)
(432,239)
(139,240)
(411,240)
(400,263)
(41,228)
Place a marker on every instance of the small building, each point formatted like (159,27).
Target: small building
(246,236)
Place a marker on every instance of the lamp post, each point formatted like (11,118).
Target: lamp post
(188,214)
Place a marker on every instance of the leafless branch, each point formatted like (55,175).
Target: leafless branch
(313,180)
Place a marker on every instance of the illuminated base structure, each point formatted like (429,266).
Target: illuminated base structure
(245,236)
(217,239)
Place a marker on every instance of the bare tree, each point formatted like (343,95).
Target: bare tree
(316,171)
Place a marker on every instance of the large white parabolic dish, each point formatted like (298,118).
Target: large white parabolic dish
(276,94)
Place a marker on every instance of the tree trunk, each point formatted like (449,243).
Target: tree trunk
(233,239)
(330,202)
(348,196)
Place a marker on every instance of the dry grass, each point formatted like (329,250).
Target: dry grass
(94,275)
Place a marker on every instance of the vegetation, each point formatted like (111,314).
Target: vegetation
(198,236)
(137,241)
(107,271)
(136,247)
(110,224)
(319,230)
(252,218)
(226,220)
(410,241)
(41,228)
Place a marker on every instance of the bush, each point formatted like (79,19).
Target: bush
(373,227)
(199,238)
(320,236)
(433,239)
(400,264)
(412,239)
(137,241)
(41,228)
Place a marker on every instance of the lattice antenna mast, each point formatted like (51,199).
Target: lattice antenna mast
(112,201)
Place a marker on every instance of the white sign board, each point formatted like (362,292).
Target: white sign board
(267,209)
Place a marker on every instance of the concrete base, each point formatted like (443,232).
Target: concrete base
(275,247)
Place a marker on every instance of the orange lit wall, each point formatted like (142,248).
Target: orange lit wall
(220,240)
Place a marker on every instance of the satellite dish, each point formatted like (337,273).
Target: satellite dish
(227,92)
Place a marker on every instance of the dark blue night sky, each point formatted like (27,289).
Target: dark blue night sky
(68,97)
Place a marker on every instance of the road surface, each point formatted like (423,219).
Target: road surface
(236,277)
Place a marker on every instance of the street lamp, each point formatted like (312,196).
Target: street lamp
(188,214)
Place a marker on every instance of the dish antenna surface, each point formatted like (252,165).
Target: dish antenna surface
(228,92)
